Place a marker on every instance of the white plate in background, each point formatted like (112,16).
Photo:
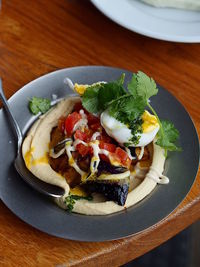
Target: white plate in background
(168,24)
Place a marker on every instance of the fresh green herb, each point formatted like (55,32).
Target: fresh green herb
(136,130)
(142,85)
(91,99)
(120,81)
(110,92)
(38,104)
(146,87)
(71,200)
(169,137)
(127,107)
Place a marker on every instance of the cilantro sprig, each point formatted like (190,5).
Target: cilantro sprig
(70,200)
(38,104)
(128,106)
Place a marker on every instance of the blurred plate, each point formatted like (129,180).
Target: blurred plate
(41,212)
(161,23)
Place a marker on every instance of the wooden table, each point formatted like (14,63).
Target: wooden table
(41,36)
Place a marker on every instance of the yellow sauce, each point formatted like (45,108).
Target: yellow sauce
(32,162)
(78,191)
(41,160)
(28,158)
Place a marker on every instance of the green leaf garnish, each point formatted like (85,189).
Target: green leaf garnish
(120,81)
(109,92)
(71,200)
(90,99)
(38,104)
(146,86)
(169,136)
(127,107)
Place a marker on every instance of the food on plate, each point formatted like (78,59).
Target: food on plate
(185,4)
(106,147)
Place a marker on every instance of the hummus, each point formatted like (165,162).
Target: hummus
(35,152)
(185,4)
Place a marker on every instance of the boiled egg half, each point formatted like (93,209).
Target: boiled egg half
(122,134)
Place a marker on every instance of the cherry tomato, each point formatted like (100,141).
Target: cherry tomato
(70,122)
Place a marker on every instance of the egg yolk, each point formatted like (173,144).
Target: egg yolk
(80,88)
(150,122)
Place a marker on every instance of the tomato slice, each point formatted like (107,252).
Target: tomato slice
(107,146)
(84,150)
(123,156)
(80,135)
(70,122)
(83,135)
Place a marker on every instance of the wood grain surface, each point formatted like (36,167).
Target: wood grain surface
(41,36)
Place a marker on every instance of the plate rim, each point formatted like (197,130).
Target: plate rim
(115,238)
(159,36)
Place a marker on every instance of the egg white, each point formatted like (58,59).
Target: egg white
(122,134)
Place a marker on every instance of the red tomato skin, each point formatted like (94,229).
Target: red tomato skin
(80,135)
(123,156)
(84,150)
(70,122)
(107,146)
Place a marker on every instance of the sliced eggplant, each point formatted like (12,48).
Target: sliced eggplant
(106,167)
(116,191)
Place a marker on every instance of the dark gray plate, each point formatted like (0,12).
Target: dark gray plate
(40,212)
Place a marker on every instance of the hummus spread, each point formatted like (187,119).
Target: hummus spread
(35,152)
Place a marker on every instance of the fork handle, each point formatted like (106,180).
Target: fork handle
(11,117)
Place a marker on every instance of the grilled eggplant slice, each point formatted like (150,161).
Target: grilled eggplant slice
(106,167)
(114,190)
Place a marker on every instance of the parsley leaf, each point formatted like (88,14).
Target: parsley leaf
(127,109)
(90,99)
(142,85)
(109,92)
(38,104)
(167,136)
(132,85)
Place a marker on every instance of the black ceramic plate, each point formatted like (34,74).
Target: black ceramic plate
(40,212)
